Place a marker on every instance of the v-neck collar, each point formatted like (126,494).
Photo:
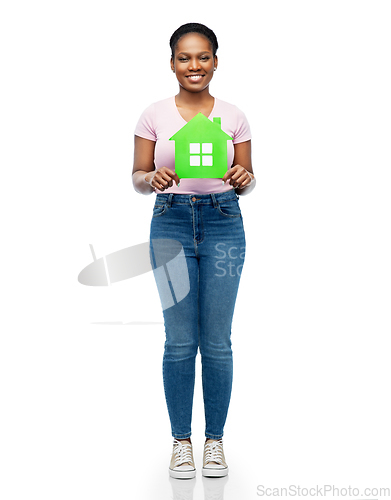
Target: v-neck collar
(177,110)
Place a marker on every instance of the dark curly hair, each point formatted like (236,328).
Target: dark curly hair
(193,28)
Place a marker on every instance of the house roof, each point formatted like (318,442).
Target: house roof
(200,128)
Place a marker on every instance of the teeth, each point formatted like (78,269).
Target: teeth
(195,77)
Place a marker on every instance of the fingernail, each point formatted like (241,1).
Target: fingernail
(223,182)
(178,184)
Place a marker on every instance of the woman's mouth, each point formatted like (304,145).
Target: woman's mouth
(195,78)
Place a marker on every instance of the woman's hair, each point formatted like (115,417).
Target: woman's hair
(193,28)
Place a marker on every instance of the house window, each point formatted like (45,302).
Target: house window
(201,154)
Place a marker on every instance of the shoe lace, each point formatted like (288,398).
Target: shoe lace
(214,452)
(182,452)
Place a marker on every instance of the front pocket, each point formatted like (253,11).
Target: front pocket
(229,208)
(159,209)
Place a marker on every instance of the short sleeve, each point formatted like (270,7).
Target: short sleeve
(242,129)
(145,127)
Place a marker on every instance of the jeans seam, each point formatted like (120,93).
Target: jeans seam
(181,436)
(198,310)
(201,226)
(213,436)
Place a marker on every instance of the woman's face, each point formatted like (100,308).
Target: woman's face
(194,62)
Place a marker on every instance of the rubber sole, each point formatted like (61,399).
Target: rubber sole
(188,474)
(215,472)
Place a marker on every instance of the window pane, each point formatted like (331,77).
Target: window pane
(207,161)
(207,148)
(194,148)
(194,161)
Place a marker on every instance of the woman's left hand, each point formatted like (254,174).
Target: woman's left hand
(238,177)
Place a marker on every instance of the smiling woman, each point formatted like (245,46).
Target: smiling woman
(193,62)
(196,133)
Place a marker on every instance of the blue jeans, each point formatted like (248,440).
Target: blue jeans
(210,229)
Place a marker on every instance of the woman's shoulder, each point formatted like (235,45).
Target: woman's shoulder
(235,121)
(155,108)
(162,103)
(163,107)
(228,107)
(224,103)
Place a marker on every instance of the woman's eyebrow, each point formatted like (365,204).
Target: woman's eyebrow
(199,53)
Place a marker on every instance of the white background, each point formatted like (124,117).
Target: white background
(83,413)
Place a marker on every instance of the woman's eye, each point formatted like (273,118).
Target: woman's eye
(203,58)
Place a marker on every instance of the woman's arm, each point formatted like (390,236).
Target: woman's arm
(241,175)
(145,177)
(143,163)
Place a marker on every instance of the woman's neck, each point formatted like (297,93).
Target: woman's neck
(192,100)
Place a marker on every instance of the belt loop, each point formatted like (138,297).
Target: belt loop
(214,201)
(169,199)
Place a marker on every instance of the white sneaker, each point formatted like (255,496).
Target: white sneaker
(214,460)
(182,462)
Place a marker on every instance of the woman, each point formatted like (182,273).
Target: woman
(202,214)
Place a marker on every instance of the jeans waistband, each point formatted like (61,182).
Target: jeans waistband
(193,199)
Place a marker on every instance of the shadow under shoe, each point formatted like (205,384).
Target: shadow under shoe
(214,487)
(182,490)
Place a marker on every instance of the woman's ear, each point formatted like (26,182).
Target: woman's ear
(172,65)
(215,62)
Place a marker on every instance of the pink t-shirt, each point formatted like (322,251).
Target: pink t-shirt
(161,120)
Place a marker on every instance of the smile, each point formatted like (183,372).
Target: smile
(195,78)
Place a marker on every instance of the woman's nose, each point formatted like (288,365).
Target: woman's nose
(194,64)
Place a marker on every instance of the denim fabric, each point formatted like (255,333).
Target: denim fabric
(210,230)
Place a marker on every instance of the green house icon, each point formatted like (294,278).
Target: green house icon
(201,149)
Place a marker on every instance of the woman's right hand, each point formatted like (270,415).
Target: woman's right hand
(161,178)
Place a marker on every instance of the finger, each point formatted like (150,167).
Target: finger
(158,183)
(165,176)
(164,181)
(173,175)
(248,181)
(241,181)
(167,171)
(229,174)
(158,186)
(245,183)
(237,175)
